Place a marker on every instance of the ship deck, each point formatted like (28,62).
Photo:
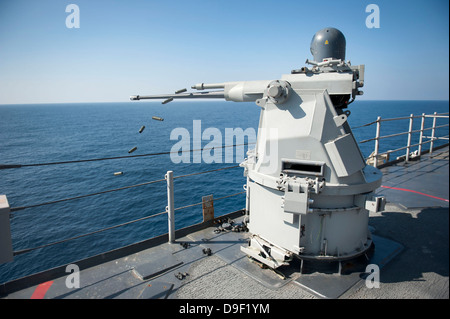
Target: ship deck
(411,239)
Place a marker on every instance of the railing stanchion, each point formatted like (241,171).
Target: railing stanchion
(432,132)
(408,146)
(170,206)
(377,142)
(422,125)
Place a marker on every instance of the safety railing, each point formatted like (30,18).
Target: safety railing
(7,253)
(170,209)
(378,158)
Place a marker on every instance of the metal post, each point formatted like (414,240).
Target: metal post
(247,196)
(377,142)
(208,208)
(170,206)
(432,132)
(6,250)
(422,125)
(411,119)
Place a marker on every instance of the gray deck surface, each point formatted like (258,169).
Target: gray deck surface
(411,247)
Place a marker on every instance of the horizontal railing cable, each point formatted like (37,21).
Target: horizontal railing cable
(403,133)
(214,199)
(402,148)
(84,235)
(439,115)
(19,252)
(14,209)
(213,170)
(9,166)
(364,125)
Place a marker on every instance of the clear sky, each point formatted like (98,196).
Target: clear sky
(142,47)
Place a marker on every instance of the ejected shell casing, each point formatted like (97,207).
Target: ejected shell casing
(170,99)
(180,91)
(142,128)
(132,150)
(157,118)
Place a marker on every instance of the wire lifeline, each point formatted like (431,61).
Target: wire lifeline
(10,166)
(364,125)
(23,251)
(441,115)
(214,199)
(19,252)
(14,209)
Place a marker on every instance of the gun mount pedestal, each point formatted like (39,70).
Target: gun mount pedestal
(310,195)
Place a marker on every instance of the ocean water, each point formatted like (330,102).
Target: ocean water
(41,133)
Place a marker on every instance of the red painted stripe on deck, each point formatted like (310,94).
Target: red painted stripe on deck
(41,290)
(409,190)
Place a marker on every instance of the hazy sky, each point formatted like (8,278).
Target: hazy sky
(122,48)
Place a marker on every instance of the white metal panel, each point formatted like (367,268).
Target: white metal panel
(344,154)
(333,82)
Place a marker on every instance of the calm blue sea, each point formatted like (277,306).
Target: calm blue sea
(43,133)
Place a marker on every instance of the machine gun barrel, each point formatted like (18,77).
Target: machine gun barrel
(245,91)
(199,95)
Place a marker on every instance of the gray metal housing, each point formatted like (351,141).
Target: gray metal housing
(328,43)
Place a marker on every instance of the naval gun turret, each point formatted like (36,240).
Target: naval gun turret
(309,191)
